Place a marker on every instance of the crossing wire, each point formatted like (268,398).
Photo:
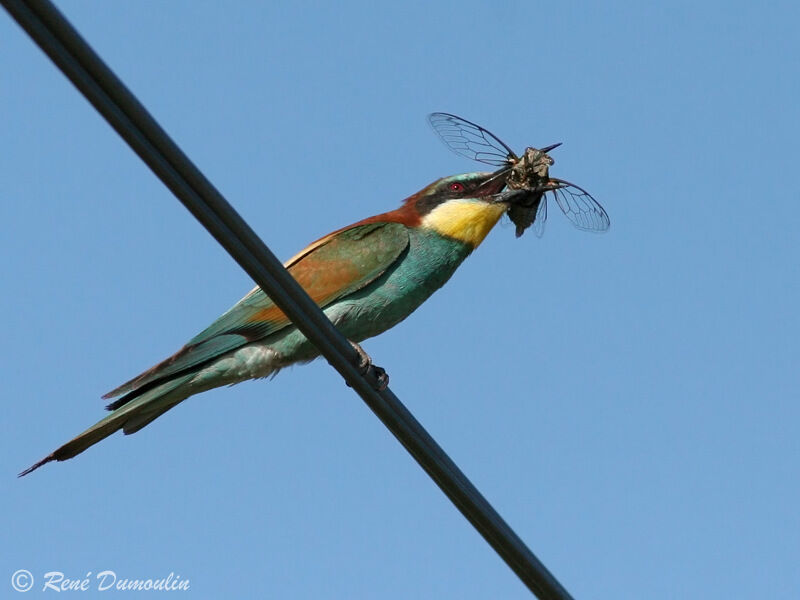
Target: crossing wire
(112,99)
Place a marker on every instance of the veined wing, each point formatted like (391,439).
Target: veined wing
(578,205)
(541,218)
(467,139)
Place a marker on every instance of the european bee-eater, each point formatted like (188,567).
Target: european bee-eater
(366,277)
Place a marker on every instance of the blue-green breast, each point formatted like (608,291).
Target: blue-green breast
(421,269)
(426,265)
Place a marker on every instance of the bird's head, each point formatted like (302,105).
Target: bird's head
(462,207)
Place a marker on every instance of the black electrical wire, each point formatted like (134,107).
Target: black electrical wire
(62,43)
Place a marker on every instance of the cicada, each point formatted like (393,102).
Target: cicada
(527,177)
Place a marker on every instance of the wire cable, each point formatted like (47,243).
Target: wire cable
(76,59)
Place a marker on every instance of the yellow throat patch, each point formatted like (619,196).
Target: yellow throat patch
(467,221)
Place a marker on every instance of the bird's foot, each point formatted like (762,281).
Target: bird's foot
(383,377)
(364,364)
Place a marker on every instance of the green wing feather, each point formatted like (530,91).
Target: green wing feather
(329,269)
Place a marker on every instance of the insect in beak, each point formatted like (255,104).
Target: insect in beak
(527,180)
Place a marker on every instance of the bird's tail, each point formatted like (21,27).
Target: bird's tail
(131,416)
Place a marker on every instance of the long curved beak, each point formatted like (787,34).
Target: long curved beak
(548,186)
(511,195)
(493,183)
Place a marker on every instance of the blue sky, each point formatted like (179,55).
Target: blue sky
(627,401)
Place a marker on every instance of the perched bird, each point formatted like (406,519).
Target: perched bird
(366,277)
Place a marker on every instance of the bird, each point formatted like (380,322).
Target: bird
(367,277)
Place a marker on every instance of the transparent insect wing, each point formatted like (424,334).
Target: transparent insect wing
(470,140)
(580,208)
(541,218)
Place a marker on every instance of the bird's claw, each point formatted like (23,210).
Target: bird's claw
(364,361)
(364,364)
(382,376)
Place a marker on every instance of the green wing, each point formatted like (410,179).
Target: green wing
(329,269)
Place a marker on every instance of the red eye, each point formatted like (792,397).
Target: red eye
(456,187)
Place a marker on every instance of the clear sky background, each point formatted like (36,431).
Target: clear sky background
(628,402)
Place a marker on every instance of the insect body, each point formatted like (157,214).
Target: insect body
(527,177)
